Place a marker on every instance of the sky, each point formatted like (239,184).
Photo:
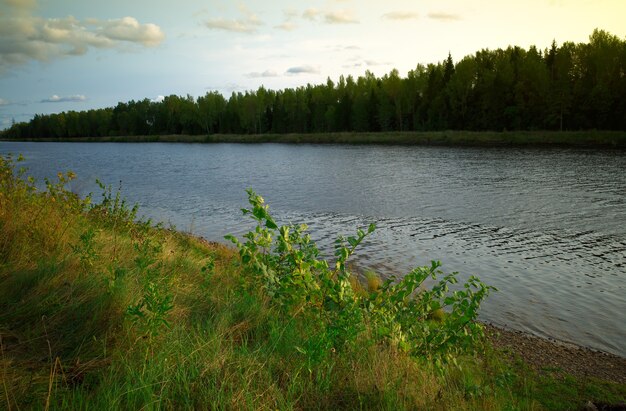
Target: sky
(61,55)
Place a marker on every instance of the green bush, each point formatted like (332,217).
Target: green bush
(287,265)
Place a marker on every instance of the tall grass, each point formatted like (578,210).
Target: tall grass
(83,325)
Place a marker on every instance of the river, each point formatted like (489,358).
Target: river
(546,226)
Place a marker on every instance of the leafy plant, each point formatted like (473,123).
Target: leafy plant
(151,311)
(113,274)
(287,265)
(208,270)
(10,179)
(85,249)
(113,207)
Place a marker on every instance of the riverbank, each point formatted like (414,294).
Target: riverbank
(553,356)
(98,311)
(603,139)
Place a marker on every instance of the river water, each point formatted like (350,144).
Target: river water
(547,227)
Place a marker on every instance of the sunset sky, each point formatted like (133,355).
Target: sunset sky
(58,55)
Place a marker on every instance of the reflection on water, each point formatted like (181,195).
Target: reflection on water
(547,227)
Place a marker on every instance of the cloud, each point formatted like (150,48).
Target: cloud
(340,17)
(372,63)
(330,16)
(358,61)
(129,29)
(303,70)
(400,15)
(288,23)
(443,16)
(311,14)
(239,26)
(248,24)
(339,48)
(157,99)
(77,98)
(25,37)
(290,14)
(287,26)
(200,12)
(3,102)
(266,73)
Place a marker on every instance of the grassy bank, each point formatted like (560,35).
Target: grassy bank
(609,139)
(98,311)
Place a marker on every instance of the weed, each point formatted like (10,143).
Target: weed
(114,208)
(85,250)
(287,265)
(151,311)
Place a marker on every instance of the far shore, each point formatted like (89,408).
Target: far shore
(599,139)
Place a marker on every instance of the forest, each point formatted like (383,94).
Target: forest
(568,87)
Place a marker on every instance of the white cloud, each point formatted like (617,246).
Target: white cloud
(341,48)
(129,29)
(311,14)
(340,17)
(266,73)
(303,70)
(158,99)
(77,98)
(239,26)
(372,63)
(290,14)
(25,37)
(443,16)
(287,26)
(3,102)
(400,15)
(330,16)
(248,24)
(288,23)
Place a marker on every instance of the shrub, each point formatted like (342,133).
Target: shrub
(287,265)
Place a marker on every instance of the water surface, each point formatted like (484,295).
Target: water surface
(547,227)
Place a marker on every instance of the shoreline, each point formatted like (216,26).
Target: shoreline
(502,336)
(584,139)
(546,356)
(542,354)
(549,355)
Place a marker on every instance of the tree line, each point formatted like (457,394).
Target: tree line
(569,87)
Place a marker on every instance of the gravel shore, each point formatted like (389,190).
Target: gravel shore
(542,354)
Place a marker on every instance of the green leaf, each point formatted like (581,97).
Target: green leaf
(259,213)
